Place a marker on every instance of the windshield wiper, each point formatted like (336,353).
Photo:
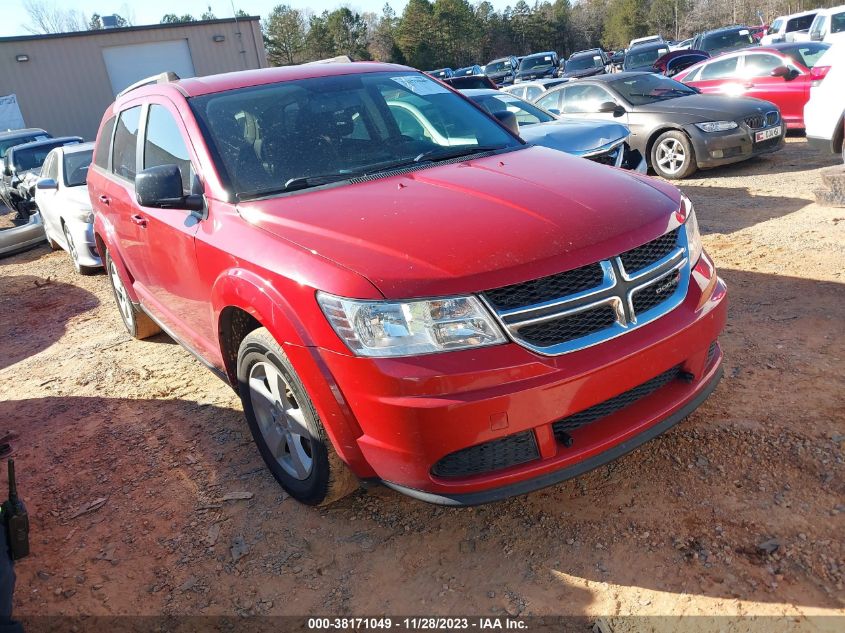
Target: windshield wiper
(453,152)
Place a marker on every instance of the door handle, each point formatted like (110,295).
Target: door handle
(140,220)
(104,199)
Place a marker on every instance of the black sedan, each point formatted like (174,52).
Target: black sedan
(677,129)
(643,56)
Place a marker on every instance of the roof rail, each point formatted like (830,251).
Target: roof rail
(161,78)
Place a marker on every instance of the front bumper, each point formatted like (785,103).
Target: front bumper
(413,412)
(86,247)
(713,149)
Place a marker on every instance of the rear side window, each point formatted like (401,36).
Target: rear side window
(101,154)
(799,24)
(126,143)
(164,145)
(837,22)
(760,65)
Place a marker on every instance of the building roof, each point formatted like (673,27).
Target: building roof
(123,29)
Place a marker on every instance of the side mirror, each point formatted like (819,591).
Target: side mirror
(816,36)
(612,107)
(46,183)
(780,71)
(508,119)
(161,187)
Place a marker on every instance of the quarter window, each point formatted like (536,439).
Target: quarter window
(164,145)
(124,161)
(550,101)
(104,145)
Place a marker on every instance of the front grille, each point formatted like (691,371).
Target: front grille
(767,144)
(581,307)
(546,288)
(643,256)
(613,405)
(569,327)
(490,456)
(655,294)
(755,121)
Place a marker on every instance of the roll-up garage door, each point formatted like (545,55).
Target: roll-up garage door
(128,64)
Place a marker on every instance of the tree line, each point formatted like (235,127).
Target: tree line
(433,34)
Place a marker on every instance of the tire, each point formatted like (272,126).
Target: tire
(138,324)
(285,426)
(74,254)
(672,156)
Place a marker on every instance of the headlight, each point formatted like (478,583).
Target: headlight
(693,234)
(407,328)
(83,215)
(716,126)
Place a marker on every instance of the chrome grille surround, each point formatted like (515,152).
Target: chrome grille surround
(617,290)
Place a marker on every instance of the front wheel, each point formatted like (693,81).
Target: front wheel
(672,156)
(74,253)
(285,426)
(138,324)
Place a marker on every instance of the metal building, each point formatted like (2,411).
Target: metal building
(64,82)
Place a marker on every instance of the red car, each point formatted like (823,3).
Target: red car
(780,73)
(462,320)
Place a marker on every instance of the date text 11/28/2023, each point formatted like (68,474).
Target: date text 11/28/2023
(417,624)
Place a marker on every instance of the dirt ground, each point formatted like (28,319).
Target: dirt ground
(739,510)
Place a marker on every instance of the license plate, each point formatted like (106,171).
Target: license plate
(765,135)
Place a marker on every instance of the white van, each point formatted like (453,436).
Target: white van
(829,25)
(785,27)
(645,40)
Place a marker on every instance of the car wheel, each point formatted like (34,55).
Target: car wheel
(138,324)
(74,254)
(672,156)
(285,426)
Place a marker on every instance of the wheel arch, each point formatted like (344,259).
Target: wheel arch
(655,134)
(242,302)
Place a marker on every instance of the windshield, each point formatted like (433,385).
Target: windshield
(535,62)
(270,139)
(807,53)
(76,167)
(646,57)
(726,40)
(19,140)
(498,67)
(648,88)
(33,157)
(526,114)
(584,63)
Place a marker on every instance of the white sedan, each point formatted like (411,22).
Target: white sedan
(61,195)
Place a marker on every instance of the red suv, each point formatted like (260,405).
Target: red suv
(440,307)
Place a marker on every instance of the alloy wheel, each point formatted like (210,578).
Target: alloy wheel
(123,302)
(671,156)
(71,247)
(281,420)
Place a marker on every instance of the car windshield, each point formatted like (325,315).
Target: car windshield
(726,41)
(296,134)
(648,88)
(465,72)
(646,57)
(526,114)
(806,53)
(498,67)
(76,167)
(584,62)
(19,140)
(535,62)
(33,157)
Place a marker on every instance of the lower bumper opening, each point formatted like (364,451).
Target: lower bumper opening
(521,448)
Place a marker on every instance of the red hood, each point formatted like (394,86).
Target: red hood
(475,225)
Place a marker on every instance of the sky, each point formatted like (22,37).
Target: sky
(15,17)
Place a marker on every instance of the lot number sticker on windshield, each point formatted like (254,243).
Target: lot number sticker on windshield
(419,85)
